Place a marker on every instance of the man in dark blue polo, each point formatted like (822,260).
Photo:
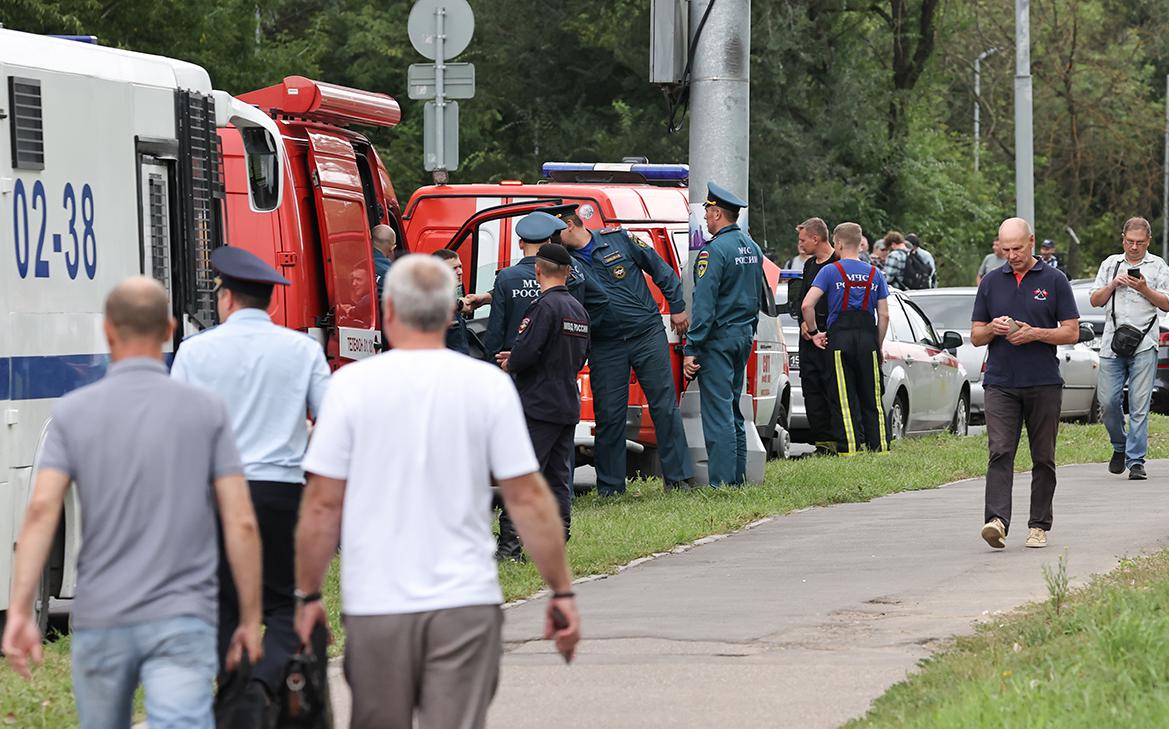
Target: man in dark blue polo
(1022,311)
(631,335)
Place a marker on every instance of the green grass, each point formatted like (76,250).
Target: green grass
(608,533)
(1096,658)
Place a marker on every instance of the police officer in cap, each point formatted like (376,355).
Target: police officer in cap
(631,335)
(549,350)
(728,283)
(269,377)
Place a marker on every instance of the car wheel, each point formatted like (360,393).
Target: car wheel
(777,445)
(898,415)
(1096,412)
(960,425)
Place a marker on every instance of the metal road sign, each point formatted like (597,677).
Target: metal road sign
(450,37)
(458,80)
(440,147)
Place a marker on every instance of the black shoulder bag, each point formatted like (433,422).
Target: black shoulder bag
(1126,338)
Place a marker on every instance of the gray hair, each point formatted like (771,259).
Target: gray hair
(422,290)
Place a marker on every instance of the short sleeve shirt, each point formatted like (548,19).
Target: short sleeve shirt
(1131,307)
(143,451)
(1043,298)
(416,524)
(830,282)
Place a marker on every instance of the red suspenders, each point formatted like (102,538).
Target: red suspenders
(849,285)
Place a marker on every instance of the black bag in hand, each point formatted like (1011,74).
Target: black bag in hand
(303,700)
(241,703)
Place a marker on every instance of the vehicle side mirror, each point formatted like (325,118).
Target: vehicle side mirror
(1087,333)
(951,340)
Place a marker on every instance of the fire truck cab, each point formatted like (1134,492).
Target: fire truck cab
(650,201)
(318,237)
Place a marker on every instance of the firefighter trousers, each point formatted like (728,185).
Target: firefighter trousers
(857,412)
(554,445)
(723,369)
(817,383)
(609,365)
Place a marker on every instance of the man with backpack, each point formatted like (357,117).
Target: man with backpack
(909,266)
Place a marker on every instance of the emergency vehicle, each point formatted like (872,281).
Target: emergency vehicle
(109,167)
(650,201)
(317,236)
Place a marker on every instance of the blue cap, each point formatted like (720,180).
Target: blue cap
(538,226)
(243,271)
(724,198)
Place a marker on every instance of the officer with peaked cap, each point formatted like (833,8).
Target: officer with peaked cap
(269,377)
(549,350)
(728,283)
(631,336)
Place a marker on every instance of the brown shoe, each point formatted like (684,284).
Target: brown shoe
(995,533)
(1036,538)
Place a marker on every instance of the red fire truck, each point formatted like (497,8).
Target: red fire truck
(650,201)
(336,189)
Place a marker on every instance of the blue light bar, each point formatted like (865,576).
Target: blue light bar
(660,173)
(91,39)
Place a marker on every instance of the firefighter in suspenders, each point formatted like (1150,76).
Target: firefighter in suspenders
(855,291)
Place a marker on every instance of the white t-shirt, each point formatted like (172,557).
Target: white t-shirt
(417,435)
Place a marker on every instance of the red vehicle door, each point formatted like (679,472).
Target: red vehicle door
(345,244)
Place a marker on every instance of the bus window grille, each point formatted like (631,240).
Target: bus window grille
(27,126)
(199,147)
(159,232)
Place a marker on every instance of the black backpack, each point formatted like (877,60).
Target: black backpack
(917,271)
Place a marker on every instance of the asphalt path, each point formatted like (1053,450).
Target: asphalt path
(805,619)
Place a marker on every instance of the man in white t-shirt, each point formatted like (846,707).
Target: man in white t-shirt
(419,585)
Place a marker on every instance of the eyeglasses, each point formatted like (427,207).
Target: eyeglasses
(1131,242)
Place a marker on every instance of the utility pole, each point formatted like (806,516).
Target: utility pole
(720,98)
(978,102)
(1165,182)
(1024,143)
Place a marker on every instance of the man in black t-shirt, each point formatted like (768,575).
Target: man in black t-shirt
(816,376)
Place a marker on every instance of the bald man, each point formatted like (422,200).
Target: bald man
(1022,311)
(150,485)
(384,241)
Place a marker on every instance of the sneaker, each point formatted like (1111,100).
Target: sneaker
(1137,472)
(995,533)
(685,485)
(1116,465)
(1036,538)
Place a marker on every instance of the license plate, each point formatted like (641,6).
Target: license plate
(793,361)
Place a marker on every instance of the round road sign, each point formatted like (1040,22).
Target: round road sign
(458,25)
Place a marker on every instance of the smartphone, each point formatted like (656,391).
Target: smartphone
(1134,272)
(1014,326)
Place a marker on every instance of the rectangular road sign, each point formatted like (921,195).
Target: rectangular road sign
(458,81)
(450,137)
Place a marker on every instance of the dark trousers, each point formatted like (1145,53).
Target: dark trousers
(553,444)
(858,417)
(724,363)
(1007,409)
(276,506)
(816,381)
(609,365)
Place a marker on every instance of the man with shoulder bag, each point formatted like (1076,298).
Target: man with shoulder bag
(1135,287)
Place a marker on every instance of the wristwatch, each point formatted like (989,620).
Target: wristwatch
(813,332)
(303,598)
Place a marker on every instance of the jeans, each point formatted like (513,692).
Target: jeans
(173,658)
(1138,372)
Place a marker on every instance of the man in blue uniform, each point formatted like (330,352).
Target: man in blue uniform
(456,333)
(631,334)
(854,291)
(550,348)
(728,282)
(384,240)
(269,377)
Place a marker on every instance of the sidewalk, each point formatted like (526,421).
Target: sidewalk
(804,620)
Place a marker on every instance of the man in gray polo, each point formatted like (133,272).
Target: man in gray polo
(152,458)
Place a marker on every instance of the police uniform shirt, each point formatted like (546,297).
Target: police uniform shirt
(550,348)
(829,281)
(516,288)
(268,376)
(728,281)
(616,261)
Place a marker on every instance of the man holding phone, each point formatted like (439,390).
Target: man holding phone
(1021,312)
(1134,286)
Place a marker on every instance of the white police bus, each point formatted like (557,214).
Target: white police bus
(109,167)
